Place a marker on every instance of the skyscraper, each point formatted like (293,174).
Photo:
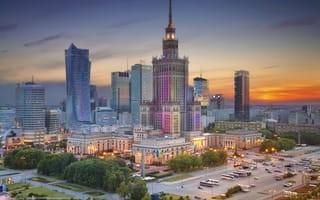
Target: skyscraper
(169,109)
(30,111)
(93,97)
(216,102)
(7,117)
(53,121)
(170,79)
(241,95)
(120,86)
(141,89)
(201,91)
(78,68)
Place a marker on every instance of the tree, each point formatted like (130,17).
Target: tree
(55,164)
(266,133)
(106,174)
(23,158)
(271,146)
(138,190)
(124,190)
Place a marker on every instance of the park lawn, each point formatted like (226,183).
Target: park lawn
(70,187)
(178,178)
(17,186)
(47,192)
(41,179)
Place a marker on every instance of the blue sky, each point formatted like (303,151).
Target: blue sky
(277,41)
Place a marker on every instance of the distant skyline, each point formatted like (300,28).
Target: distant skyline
(276,41)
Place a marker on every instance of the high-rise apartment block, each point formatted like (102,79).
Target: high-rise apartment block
(141,89)
(120,86)
(241,95)
(78,67)
(30,111)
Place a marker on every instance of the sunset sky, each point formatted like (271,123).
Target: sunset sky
(278,42)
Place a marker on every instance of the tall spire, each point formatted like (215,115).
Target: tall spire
(170,12)
(170,25)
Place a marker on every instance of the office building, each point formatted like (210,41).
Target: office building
(102,102)
(105,116)
(30,111)
(141,89)
(53,121)
(93,97)
(201,91)
(120,87)
(241,95)
(7,117)
(78,65)
(216,102)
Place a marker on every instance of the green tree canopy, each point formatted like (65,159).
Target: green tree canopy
(23,158)
(183,163)
(107,174)
(55,164)
(136,189)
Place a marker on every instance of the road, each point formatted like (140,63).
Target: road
(266,185)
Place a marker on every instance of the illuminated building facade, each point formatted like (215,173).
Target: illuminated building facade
(160,150)
(169,109)
(92,143)
(78,67)
(234,139)
(241,95)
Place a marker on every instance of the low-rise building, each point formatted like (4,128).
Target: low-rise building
(160,150)
(251,126)
(82,143)
(283,127)
(234,139)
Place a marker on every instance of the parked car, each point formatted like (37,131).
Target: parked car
(288,184)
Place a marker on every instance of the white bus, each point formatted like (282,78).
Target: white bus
(207,183)
(226,177)
(215,182)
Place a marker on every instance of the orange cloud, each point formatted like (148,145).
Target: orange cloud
(294,91)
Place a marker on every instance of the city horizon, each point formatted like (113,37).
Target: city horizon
(283,70)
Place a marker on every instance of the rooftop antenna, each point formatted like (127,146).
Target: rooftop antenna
(32,79)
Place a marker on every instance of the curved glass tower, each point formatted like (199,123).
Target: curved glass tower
(78,68)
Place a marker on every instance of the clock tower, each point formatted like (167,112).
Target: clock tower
(170,43)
